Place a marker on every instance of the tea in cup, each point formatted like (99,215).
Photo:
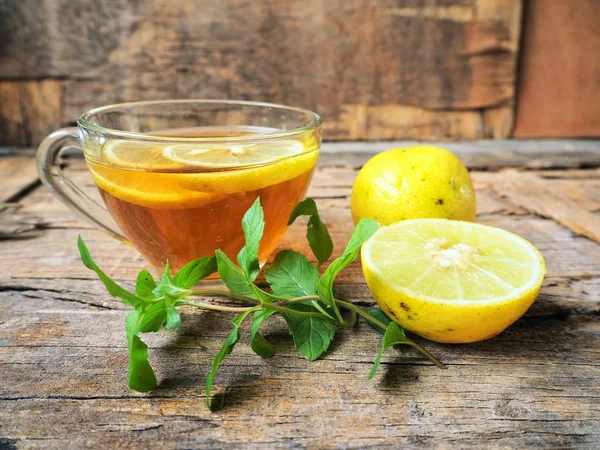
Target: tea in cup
(178,176)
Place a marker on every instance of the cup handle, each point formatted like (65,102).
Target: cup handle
(49,171)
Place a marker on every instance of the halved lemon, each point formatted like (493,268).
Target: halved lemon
(452,281)
(218,156)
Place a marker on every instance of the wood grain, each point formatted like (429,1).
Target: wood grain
(18,176)
(63,354)
(29,110)
(374,70)
(559,80)
(530,192)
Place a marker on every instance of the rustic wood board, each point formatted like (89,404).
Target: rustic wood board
(18,175)
(374,70)
(29,110)
(559,74)
(63,354)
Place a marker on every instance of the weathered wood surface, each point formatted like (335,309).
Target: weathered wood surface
(63,354)
(559,73)
(375,70)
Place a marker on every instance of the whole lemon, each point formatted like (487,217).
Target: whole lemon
(411,183)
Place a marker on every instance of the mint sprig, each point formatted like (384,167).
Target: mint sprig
(308,302)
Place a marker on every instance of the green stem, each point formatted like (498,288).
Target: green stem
(274,306)
(370,318)
(292,311)
(224,293)
(352,322)
(212,307)
(425,353)
(362,312)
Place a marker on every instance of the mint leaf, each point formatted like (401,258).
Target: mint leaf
(318,237)
(394,335)
(312,336)
(166,287)
(225,350)
(173,317)
(381,316)
(153,318)
(253,224)
(259,344)
(232,276)
(113,288)
(292,275)
(141,375)
(194,271)
(363,231)
(144,285)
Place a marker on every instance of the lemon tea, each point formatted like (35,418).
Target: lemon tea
(177,176)
(183,201)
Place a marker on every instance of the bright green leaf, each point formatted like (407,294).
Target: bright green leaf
(194,271)
(381,316)
(113,288)
(173,318)
(259,344)
(225,350)
(144,285)
(394,335)
(363,231)
(232,276)
(166,287)
(253,224)
(312,336)
(292,275)
(316,233)
(141,375)
(153,318)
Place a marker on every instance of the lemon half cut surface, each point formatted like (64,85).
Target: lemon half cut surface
(452,281)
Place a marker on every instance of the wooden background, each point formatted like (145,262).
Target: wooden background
(375,69)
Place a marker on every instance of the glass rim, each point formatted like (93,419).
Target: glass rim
(84,122)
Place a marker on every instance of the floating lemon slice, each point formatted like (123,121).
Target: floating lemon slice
(140,173)
(219,156)
(452,281)
(153,190)
(137,155)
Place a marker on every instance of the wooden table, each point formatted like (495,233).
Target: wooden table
(63,356)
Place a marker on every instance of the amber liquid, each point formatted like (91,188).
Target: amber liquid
(179,231)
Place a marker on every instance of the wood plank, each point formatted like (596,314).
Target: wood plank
(29,110)
(18,175)
(383,70)
(530,192)
(489,155)
(559,80)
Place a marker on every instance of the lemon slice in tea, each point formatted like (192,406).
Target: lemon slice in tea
(137,155)
(230,169)
(452,281)
(194,174)
(219,156)
(138,173)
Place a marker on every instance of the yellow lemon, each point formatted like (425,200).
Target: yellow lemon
(411,183)
(452,281)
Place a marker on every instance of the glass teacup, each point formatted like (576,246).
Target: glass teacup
(178,176)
